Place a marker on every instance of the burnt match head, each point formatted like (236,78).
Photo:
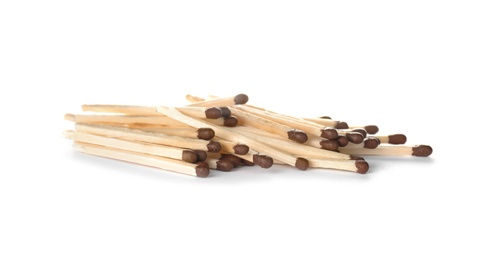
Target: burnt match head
(213,113)
(241,149)
(301,163)
(225,111)
(224,165)
(329,133)
(230,121)
(297,136)
(201,155)
(189,156)
(362,166)
(202,169)
(263,161)
(241,99)
(213,147)
(361,131)
(341,125)
(422,150)
(355,137)
(397,139)
(205,133)
(342,140)
(372,129)
(234,159)
(371,142)
(331,145)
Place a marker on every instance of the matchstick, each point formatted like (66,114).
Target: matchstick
(198,112)
(200,169)
(149,137)
(392,150)
(329,122)
(393,139)
(359,166)
(370,142)
(144,148)
(228,101)
(234,135)
(201,133)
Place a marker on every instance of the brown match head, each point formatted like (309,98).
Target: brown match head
(372,129)
(397,139)
(263,161)
(331,145)
(354,157)
(241,149)
(362,166)
(224,165)
(201,155)
(297,136)
(241,99)
(341,125)
(234,159)
(230,121)
(329,133)
(202,170)
(422,150)
(247,163)
(355,137)
(213,113)
(189,156)
(371,142)
(225,111)
(205,133)
(301,163)
(326,117)
(342,140)
(213,147)
(361,131)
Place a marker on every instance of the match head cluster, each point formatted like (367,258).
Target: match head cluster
(224,133)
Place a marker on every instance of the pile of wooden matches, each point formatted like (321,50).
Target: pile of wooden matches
(224,133)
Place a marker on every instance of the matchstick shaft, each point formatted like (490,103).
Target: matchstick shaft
(391,150)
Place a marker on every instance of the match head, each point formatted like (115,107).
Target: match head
(213,113)
(263,161)
(230,121)
(213,147)
(372,129)
(234,159)
(205,133)
(397,139)
(331,145)
(297,136)
(224,165)
(341,125)
(422,150)
(362,166)
(355,137)
(202,170)
(326,117)
(241,149)
(225,111)
(354,157)
(241,99)
(189,156)
(371,142)
(329,133)
(342,140)
(361,131)
(301,163)
(201,155)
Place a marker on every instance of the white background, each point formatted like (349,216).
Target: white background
(419,68)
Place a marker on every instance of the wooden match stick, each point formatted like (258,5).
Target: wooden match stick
(392,150)
(144,148)
(370,142)
(201,133)
(234,135)
(392,139)
(329,122)
(200,169)
(198,112)
(359,166)
(239,99)
(149,137)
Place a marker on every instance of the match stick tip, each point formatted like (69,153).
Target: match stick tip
(371,142)
(372,129)
(230,121)
(355,137)
(331,145)
(329,133)
(397,139)
(213,113)
(342,141)
(202,170)
(213,147)
(263,161)
(234,159)
(301,163)
(205,133)
(241,149)
(341,125)
(362,166)
(297,136)
(224,165)
(241,99)
(361,131)
(225,111)
(422,150)
(326,117)
(201,155)
(189,156)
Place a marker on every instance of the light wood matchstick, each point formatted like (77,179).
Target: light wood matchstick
(197,112)
(359,166)
(200,169)
(251,156)
(148,137)
(392,150)
(201,133)
(234,135)
(228,101)
(144,148)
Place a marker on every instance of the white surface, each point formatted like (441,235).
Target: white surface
(420,68)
